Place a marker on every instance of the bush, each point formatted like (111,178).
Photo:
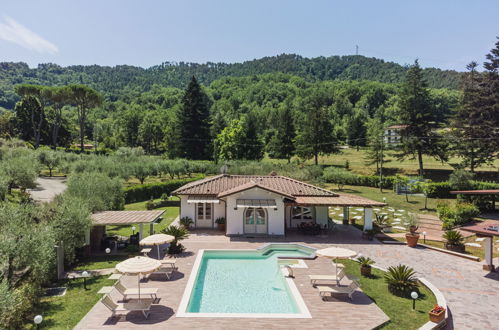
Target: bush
(453,237)
(98,190)
(459,214)
(180,233)
(144,192)
(186,222)
(461,180)
(343,177)
(401,280)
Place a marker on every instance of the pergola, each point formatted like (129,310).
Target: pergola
(484,192)
(119,218)
(488,232)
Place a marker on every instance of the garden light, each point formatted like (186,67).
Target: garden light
(414,296)
(85,274)
(38,319)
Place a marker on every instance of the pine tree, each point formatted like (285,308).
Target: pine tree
(315,131)
(375,143)
(416,111)
(281,144)
(194,140)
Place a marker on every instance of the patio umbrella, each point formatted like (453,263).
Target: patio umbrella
(138,266)
(157,239)
(336,253)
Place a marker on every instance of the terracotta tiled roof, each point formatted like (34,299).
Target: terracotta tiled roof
(226,184)
(125,217)
(249,185)
(339,200)
(476,192)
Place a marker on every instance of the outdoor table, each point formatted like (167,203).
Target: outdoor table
(106,290)
(145,251)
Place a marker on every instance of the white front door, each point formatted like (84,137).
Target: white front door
(204,215)
(255,221)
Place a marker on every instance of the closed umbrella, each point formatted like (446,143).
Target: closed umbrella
(336,253)
(157,239)
(138,266)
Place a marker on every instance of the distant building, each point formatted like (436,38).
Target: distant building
(393,134)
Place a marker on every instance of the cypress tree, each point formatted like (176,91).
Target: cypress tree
(194,140)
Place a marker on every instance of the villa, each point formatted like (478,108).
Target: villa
(263,205)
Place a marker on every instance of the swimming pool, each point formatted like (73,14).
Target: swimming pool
(244,283)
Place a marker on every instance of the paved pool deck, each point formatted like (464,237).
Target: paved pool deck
(472,294)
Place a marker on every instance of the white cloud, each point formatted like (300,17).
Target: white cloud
(16,33)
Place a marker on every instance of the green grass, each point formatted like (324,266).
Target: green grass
(170,214)
(415,204)
(100,262)
(398,309)
(66,311)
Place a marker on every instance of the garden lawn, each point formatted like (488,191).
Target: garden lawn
(415,204)
(398,309)
(171,213)
(100,262)
(66,311)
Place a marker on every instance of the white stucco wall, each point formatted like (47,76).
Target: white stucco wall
(321,215)
(218,210)
(186,210)
(235,218)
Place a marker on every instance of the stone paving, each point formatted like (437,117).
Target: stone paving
(472,294)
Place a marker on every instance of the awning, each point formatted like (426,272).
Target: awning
(202,199)
(264,203)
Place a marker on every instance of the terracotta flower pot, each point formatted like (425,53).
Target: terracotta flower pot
(352,221)
(221,226)
(455,248)
(436,317)
(412,239)
(365,270)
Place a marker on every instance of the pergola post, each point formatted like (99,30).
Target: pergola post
(151,228)
(141,231)
(345,215)
(368,218)
(488,249)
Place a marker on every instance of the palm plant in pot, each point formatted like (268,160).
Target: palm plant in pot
(411,224)
(179,233)
(454,241)
(220,223)
(365,265)
(383,223)
(186,222)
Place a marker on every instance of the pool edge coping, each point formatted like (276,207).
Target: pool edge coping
(184,301)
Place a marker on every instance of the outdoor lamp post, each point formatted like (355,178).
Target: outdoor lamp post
(108,250)
(424,237)
(85,274)
(384,200)
(414,296)
(38,319)
(133,230)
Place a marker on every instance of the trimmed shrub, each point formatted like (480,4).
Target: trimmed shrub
(343,177)
(144,192)
(459,214)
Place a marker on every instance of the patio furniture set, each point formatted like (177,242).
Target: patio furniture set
(336,288)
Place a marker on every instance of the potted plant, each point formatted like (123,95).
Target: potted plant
(220,223)
(186,222)
(412,236)
(368,234)
(179,233)
(352,221)
(454,241)
(382,223)
(437,314)
(365,265)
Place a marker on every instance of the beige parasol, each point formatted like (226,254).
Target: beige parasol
(336,253)
(138,266)
(157,239)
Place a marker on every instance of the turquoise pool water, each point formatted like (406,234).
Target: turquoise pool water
(244,282)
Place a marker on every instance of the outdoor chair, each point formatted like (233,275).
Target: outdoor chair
(325,290)
(170,262)
(325,278)
(166,269)
(135,292)
(139,306)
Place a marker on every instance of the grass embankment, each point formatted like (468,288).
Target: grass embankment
(170,214)
(65,312)
(398,309)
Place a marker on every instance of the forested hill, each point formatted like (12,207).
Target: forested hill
(115,81)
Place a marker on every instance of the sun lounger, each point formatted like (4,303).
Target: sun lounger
(139,306)
(325,290)
(166,269)
(170,262)
(135,292)
(323,278)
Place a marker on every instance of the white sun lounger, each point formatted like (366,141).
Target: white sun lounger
(166,269)
(325,290)
(324,278)
(139,306)
(135,292)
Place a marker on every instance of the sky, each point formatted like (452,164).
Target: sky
(446,34)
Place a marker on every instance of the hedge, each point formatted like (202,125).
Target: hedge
(443,189)
(144,192)
(341,176)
